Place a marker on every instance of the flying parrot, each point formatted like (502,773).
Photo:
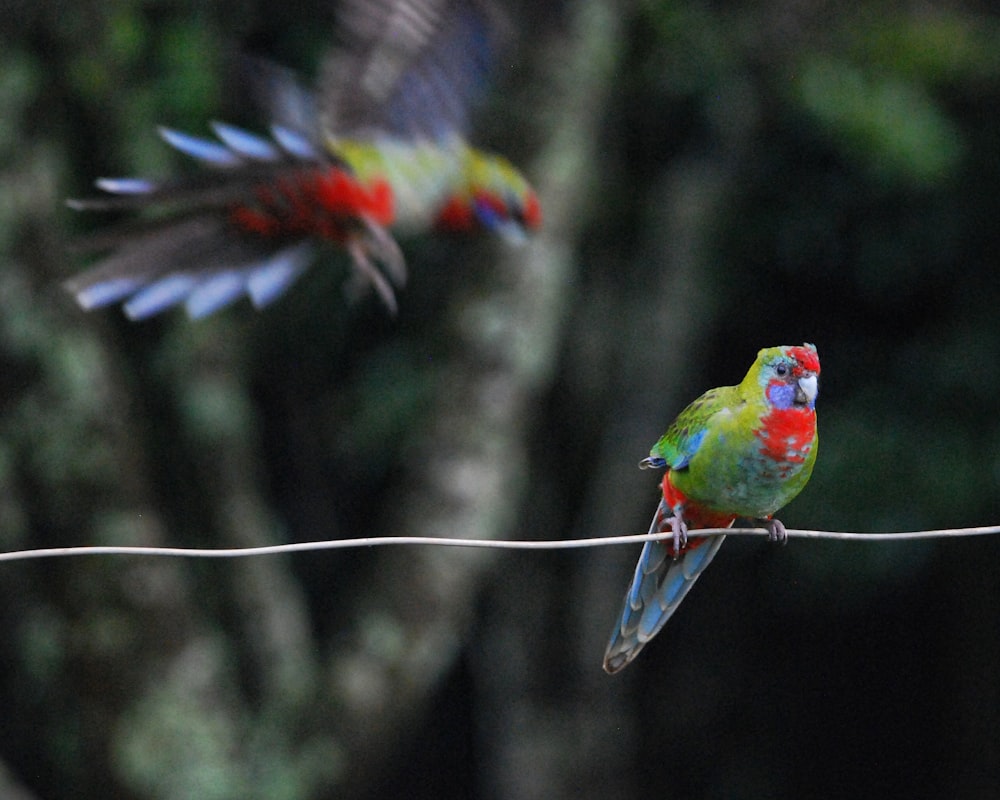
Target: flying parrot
(377,149)
(736,451)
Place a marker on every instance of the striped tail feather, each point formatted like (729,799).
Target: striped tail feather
(658,586)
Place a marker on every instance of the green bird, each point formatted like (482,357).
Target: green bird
(737,451)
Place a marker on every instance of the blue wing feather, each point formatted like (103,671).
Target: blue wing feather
(107,292)
(208,152)
(126,185)
(246,144)
(269,281)
(215,292)
(202,294)
(294,143)
(159,296)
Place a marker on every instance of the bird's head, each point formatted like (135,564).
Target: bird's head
(789,375)
(494,196)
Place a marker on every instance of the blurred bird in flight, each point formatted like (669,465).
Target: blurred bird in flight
(377,149)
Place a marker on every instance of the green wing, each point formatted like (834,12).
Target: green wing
(677,446)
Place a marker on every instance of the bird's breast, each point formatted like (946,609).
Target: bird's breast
(752,470)
(785,435)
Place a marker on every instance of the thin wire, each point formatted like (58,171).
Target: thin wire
(499,544)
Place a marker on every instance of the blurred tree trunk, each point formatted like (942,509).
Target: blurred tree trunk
(572,732)
(475,470)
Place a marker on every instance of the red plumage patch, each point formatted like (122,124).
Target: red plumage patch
(787,434)
(532,211)
(324,203)
(454,216)
(806,357)
(694,516)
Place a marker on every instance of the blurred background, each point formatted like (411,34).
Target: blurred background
(715,178)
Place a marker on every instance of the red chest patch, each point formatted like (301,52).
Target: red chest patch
(787,434)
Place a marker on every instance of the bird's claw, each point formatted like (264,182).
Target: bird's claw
(680,531)
(775,531)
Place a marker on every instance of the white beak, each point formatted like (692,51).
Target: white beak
(807,389)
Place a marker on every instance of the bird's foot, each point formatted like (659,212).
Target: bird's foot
(680,530)
(775,530)
(368,254)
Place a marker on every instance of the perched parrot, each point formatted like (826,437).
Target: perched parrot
(736,451)
(379,148)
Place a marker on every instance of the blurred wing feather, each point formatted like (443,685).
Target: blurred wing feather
(408,68)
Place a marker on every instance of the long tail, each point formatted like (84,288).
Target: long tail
(659,585)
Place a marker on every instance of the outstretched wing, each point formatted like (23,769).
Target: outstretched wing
(243,226)
(407,68)
(409,71)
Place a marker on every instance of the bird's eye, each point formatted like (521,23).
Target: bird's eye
(781,370)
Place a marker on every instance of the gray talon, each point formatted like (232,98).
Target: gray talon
(776,531)
(680,534)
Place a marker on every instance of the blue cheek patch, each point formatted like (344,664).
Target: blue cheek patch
(781,395)
(487,214)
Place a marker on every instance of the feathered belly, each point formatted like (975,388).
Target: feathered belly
(757,490)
